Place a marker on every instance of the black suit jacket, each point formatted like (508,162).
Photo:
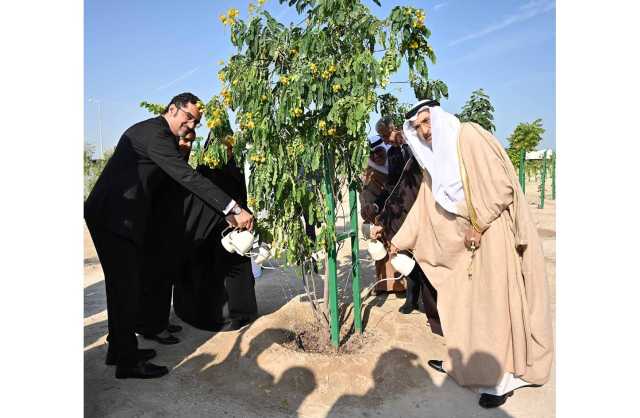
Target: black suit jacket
(145,159)
(202,220)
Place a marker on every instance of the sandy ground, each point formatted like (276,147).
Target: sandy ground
(248,373)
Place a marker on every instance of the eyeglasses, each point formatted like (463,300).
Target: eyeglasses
(190,118)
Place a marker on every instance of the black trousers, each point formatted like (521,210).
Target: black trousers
(159,269)
(120,263)
(429,298)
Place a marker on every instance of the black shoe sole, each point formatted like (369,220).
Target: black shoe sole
(436,367)
(497,402)
(111,362)
(143,376)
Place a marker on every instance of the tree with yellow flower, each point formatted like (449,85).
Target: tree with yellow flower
(302,95)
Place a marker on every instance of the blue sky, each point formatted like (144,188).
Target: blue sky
(152,50)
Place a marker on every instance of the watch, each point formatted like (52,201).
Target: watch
(236,210)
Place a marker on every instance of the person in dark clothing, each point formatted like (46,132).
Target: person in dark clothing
(389,220)
(161,258)
(398,154)
(117,211)
(216,289)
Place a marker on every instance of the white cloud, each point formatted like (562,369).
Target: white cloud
(527,11)
(180,78)
(439,6)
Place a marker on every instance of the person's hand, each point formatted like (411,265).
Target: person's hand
(376,232)
(472,238)
(393,250)
(244,220)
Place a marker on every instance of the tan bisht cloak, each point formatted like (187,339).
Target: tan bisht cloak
(497,320)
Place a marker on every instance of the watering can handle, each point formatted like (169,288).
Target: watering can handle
(226,229)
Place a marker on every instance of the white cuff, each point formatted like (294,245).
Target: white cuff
(229,207)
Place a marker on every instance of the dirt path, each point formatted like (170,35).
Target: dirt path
(247,373)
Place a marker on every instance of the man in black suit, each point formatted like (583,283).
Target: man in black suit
(162,256)
(116,212)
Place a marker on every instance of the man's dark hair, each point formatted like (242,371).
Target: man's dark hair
(182,100)
(384,122)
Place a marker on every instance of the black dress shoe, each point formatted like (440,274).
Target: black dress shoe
(436,364)
(174,328)
(407,308)
(143,354)
(142,370)
(162,340)
(493,401)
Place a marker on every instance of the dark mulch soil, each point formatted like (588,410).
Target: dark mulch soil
(311,338)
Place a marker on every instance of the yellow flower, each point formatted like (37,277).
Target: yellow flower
(332,68)
(214,123)
(221,62)
(251,7)
(223,19)
(314,68)
(284,79)
(261,2)
(234,82)
(336,88)
(413,45)
(331,131)
(293,51)
(221,76)
(264,98)
(322,124)
(251,201)
(326,74)
(233,12)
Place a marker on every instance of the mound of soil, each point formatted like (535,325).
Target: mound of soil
(309,337)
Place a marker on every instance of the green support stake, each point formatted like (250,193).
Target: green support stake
(521,170)
(544,176)
(553,176)
(355,258)
(331,248)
